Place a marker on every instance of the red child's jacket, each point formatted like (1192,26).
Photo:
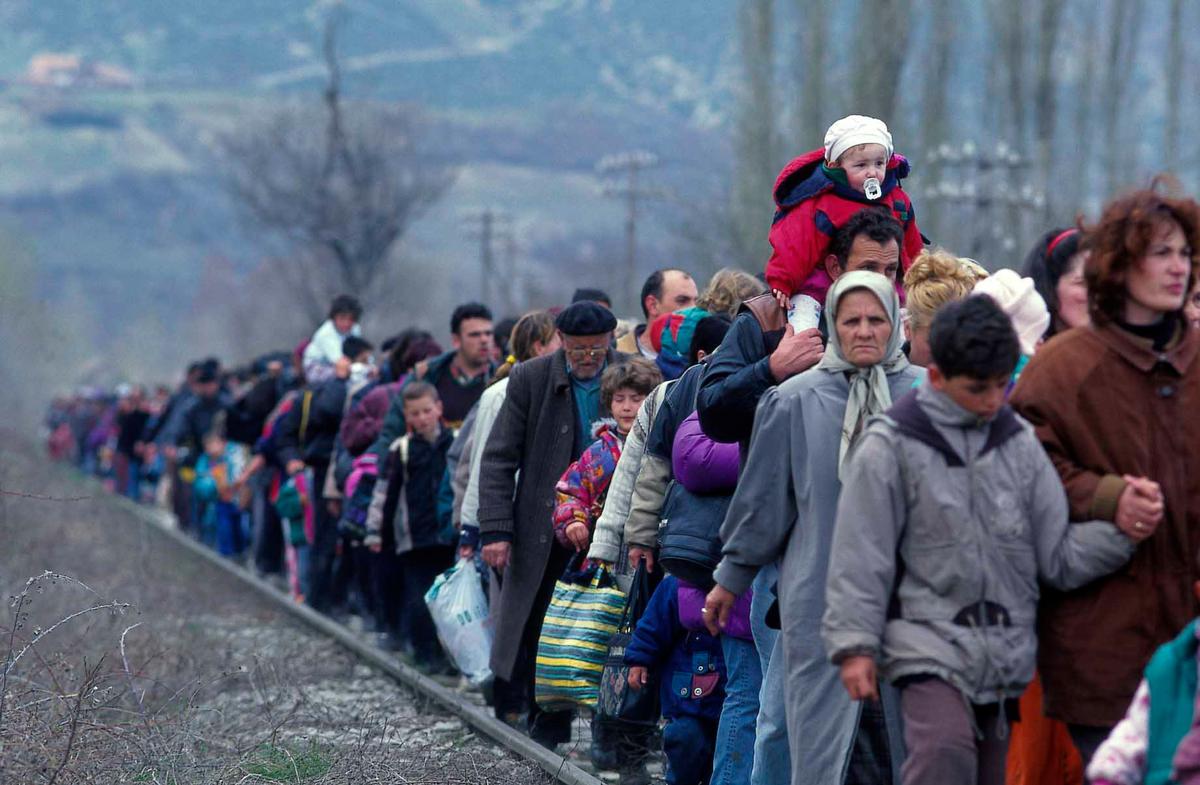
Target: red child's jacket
(810,207)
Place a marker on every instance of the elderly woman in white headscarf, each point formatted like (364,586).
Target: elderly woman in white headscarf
(784,511)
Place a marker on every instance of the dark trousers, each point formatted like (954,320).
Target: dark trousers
(387,585)
(323,553)
(181,500)
(419,569)
(266,527)
(517,694)
(623,746)
(1087,739)
(871,758)
(342,578)
(362,587)
(939,730)
(689,744)
(127,475)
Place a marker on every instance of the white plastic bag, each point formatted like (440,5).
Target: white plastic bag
(460,612)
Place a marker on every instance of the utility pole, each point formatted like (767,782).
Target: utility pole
(629,166)
(510,273)
(987,196)
(489,226)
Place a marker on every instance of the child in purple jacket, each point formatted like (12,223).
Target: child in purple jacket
(671,645)
(705,467)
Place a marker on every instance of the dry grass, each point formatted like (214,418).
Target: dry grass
(123,660)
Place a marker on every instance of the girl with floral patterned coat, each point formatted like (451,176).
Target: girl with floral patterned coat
(582,488)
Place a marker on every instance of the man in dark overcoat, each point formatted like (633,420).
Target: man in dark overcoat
(544,426)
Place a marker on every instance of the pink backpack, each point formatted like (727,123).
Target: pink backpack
(365,465)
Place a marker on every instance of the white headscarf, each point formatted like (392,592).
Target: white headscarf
(869,391)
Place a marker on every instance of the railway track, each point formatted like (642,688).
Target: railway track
(266,672)
(558,767)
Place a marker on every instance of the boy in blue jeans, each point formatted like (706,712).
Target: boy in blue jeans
(671,644)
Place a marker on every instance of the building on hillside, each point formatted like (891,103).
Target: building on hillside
(63,70)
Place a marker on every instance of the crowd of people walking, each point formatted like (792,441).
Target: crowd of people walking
(874,515)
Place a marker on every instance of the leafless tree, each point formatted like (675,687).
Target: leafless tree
(708,238)
(340,184)
(1025,40)
(935,95)
(812,114)
(876,80)
(1174,77)
(1083,119)
(1009,42)
(560,263)
(756,135)
(1125,20)
(1045,104)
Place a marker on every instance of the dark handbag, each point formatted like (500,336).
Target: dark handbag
(617,702)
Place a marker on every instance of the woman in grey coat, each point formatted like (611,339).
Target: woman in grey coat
(784,511)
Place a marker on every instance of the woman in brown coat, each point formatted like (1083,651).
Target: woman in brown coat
(1117,407)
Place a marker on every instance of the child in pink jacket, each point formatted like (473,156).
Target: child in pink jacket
(583,486)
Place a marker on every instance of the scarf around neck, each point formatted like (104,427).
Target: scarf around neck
(869,391)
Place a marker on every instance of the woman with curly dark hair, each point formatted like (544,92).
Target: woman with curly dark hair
(1115,405)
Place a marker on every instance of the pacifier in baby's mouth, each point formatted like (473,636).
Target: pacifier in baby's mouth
(872,188)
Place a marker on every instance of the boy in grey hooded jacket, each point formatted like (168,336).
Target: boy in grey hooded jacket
(953,514)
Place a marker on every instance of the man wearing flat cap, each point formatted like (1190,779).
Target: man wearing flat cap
(544,425)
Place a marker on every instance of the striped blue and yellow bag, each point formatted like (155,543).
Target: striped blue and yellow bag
(584,613)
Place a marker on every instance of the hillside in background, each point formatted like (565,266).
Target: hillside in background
(666,55)
(112,190)
(111,114)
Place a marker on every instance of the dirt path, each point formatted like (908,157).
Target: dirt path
(137,662)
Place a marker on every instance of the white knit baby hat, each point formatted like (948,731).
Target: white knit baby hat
(854,130)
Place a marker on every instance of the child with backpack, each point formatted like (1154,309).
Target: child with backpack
(405,500)
(816,194)
(952,515)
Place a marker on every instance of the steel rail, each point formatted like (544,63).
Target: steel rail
(561,769)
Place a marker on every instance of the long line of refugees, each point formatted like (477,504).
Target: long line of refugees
(1017,451)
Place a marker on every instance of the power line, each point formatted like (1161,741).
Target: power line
(989,192)
(490,227)
(629,165)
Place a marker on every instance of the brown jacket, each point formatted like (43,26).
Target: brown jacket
(1104,404)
